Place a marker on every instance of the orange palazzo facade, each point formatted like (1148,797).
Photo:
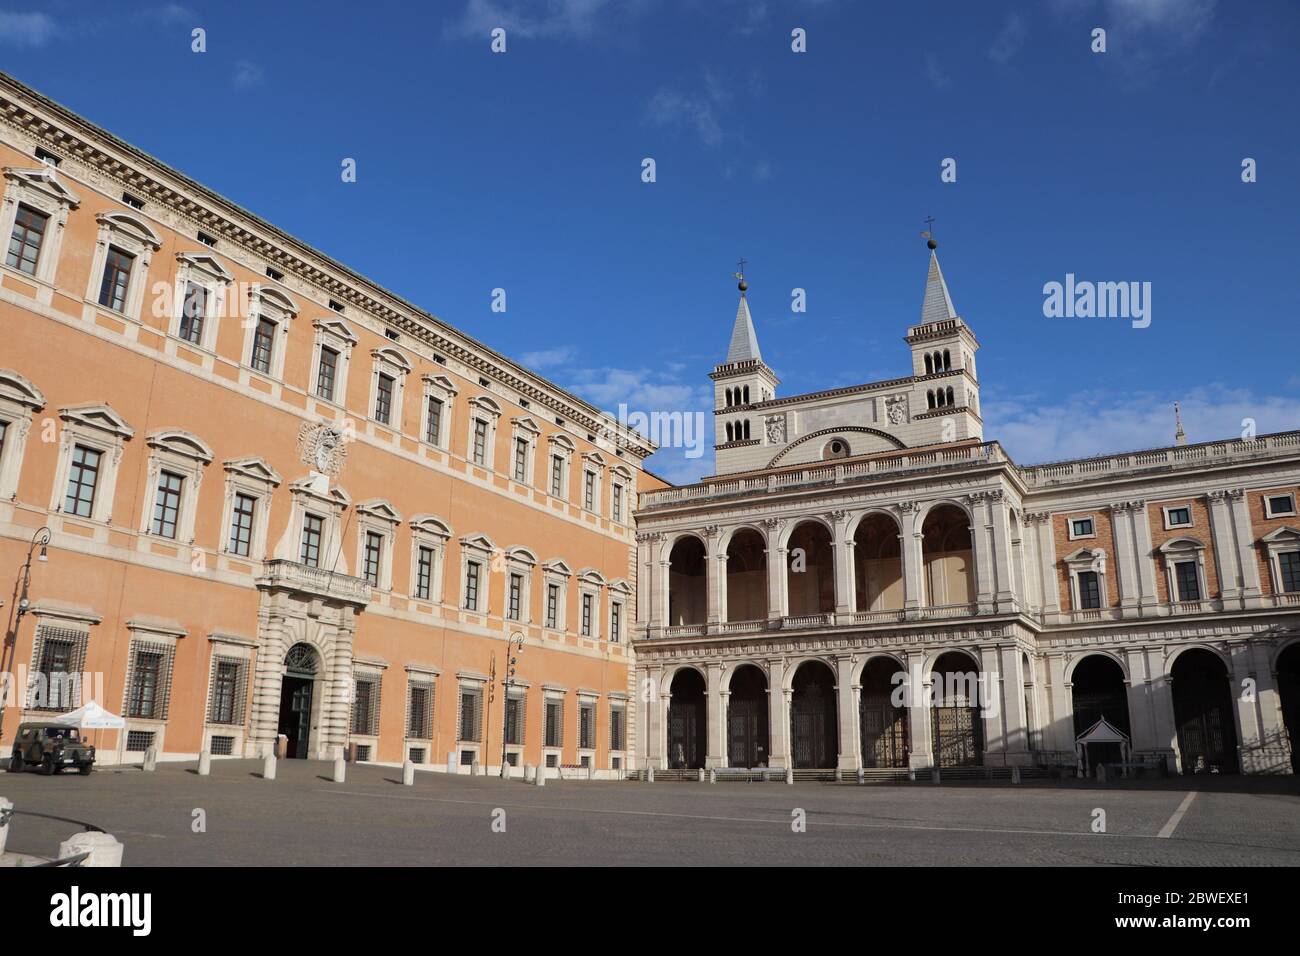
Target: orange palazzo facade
(245,493)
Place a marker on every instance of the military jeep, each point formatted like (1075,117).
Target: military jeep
(51,746)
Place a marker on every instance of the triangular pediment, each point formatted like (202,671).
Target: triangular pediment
(100,416)
(379,508)
(1285,533)
(207,263)
(557,566)
(45,180)
(337,327)
(255,468)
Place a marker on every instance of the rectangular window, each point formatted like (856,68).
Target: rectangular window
(1189,585)
(1289,565)
(263,345)
(480,441)
(514,720)
(226,705)
(516,596)
(144,698)
(589,490)
(615,621)
(552,606)
(1081,528)
(167,505)
(1089,590)
(365,706)
(83,477)
(25,241)
(117,275)
(617,723)
(433,428)
(521,460)
(471,585)
(424,574)
(471,709)
(193,311)
(586,726)
(327,373)
(557,476)
(374,553)
(241,524)
(419,712)
(313,529)
(1279,506)
(554,730)
(1178,517)
(586,615)
(384,399)
(61,661)
(616,502)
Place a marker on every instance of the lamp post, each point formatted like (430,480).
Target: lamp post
(516,638)
(41,538)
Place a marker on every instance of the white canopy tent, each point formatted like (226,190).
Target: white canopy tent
(1102,732)
(92,717)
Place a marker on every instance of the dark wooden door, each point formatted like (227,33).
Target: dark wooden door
(686,728)
(747,732)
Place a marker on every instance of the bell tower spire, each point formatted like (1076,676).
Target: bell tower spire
(742,382)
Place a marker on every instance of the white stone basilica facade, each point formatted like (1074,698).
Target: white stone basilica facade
(867,582)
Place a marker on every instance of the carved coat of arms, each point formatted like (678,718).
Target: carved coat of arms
(321,446)
(776,429)
(896,409)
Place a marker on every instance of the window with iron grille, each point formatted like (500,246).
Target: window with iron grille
(589,490)
(586,726)
(83,477)
(515,710)
(557,476)
(62,654)
(615,621)
(554,729)
(227,692)
(241,524)
(469,718)
(384,399)
(1289,564)
(365,704)
(586,615)
(433,424)
(1089,590)
(480,441)
(416,754)
(194,309)
(617,726)
(363,753)
(521,460)
(148,689)
(167,504)
(313,526)
(419,710)
(471,585)
(424,573)
(138,741)
(327,373)
(25,241)
(117,276)
(1189,584)
(263,345)
(552,605)
(374,553)
(616,502)
(222,746)
(516,596)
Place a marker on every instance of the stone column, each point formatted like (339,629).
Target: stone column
(715,574)
(1251,592)
(913,572)
(1277,745)
(655,710)
(1145,562)
(715,748)
(1225,555)
(846,693)
(1126,555)
(1062,726)
(776,570)
(778,721)
(661,597)
(919,755)
(1049,585)
(981,540)
(1002,556)
(1141,711)
(843,565)
(1161,688)
(1015,719)
(991,708)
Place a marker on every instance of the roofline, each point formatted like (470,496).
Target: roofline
(643,447)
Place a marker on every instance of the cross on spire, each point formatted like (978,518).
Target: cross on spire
(740,274)
(928,233)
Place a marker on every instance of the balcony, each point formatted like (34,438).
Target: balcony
(280,574)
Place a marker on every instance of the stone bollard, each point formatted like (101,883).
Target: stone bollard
(408,774)
(473,768)
(862,775)
(103,848)
(150,759)
(268,766)
(911,774)
(789,775)
(529,773)
(541,776)
(205,763)
(701,775)
(934,775)
(340,769)
(1015,774)
(451,761)
(713,776)
(5,807)
(649,774)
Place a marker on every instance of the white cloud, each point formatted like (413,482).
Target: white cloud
(246,75)
(531,19)
(25,29)
(549,358)
(934,72)
(677,110)
(1009,39)
(1100,423)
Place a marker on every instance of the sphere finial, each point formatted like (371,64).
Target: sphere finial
(928,232)
(742,285)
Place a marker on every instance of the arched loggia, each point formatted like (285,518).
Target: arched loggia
(1207,729)
(746,576)
(747,724)
(688,583)
(946,554)
(814,730)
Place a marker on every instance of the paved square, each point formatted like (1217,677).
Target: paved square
(302,818)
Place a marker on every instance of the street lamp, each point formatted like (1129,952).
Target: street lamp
(42,538)
(516,638)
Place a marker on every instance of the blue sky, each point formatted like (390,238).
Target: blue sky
(522,171)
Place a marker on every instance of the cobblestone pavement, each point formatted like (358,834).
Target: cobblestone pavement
(302,818)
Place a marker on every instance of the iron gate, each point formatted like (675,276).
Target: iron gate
(958,737)
(686,743)
(747,732)
(884,732)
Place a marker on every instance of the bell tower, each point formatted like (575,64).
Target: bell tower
(741,382)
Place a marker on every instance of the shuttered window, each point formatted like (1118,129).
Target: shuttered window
(469,720)
(554,730)
(419,710)
(149,673)
(515,713)
(587,725)
(226,693)
(617,727)
(365,704)
(56,685)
